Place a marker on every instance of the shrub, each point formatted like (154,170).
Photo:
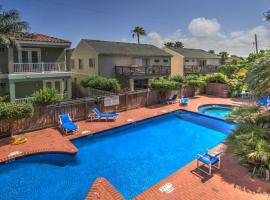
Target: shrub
(193,80)
(46,96)
(244,112)
(14,111)
(216,77)
(101,83)
(165,84)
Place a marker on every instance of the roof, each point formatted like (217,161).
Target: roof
(195,53)
(123,48)
(37,37)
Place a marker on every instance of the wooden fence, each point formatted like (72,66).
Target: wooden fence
(79,109)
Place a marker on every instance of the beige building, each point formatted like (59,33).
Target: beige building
(192,61)
(132,64)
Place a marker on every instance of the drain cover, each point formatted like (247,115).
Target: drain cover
(168,188)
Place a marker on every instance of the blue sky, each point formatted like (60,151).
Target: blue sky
(208,24)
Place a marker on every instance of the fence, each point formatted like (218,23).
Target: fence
(78,109)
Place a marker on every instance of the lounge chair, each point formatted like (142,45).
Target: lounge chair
(171,100)
(101,115)
(263,101)
(184,101)
(268,106)
(209,159)
(66,124)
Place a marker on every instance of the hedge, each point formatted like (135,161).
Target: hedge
(101,83)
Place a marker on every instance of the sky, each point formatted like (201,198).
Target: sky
(221,25)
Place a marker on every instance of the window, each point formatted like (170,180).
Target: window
(156,60)
(91,62)
(2,49)
(165,60)
(3,84)
(186,60)
(193,60)
(80,63)
(72,63)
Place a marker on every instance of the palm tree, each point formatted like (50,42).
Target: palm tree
(10,26)
(224,55)
(138,31)
(178,44)
(267,15)
(169,44)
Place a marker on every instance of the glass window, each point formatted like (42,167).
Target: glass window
(80,63)
(91,62)
(187,60)
(165,60)
(156,60)
(24,56)
(72,63)
(34,56)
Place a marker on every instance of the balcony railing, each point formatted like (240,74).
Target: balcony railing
(39,67)
(30,99)
(196,69)
(143,71)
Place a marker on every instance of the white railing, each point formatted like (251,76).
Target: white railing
(23,100)
(39,67)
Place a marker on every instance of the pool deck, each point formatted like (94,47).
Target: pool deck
(231,182)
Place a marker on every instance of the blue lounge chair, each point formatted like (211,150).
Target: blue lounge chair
(66,124)
(184,101)
(209,159)
(263,101)
(171,100)
(268,106)
(104,115)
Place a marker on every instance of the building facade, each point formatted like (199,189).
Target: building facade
(192,61)
(35,61)
(132,64)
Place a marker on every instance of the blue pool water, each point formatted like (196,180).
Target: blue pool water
(216,110)
(132,158)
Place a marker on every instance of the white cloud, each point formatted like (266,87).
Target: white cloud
(236,42)
(201,27)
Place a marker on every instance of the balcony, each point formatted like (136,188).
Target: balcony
(149,71)
(42,68)
(196,69)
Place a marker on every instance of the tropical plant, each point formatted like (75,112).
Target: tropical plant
(46,96)
(267,15)
(250,142)
(138,31)
(14,111)
(10,26)
(164,84)
(211,51)
(101,83)
(258,78)
(242,113)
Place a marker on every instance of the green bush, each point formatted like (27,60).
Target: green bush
(101,83)
(216,77)
(46,96)
(165,84)
(193,80)
(14,111)
(251,143)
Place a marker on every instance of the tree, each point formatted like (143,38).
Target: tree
(224,55)
(138,31)
(10,26)
(267,15)
(169,44)
(211,51)
(178,44)
(258,78)
(46,96)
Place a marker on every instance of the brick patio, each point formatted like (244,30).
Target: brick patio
(232,182)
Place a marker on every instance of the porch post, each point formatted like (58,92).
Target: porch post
(12,90)
(10,60)
(131,84)
(69,88)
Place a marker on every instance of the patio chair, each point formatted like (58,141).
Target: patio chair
(171,100)
(66,124)
(268,106)
(184,101)
(263,101)
(101,115)
(210,160)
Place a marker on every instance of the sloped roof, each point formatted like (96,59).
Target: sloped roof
(123,48)
(37,37)
(195,53)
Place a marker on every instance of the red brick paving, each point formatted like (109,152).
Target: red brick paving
(231,182)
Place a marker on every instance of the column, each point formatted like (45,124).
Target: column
(69,88)
(10,60)
(131,84)
(12,90)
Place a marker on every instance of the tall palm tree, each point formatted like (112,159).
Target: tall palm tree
(138,31)
(10,26)
(267,15)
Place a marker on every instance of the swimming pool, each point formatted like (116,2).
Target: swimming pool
(216,110)
(132,158)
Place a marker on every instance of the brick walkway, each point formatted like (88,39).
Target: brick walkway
(233,181)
